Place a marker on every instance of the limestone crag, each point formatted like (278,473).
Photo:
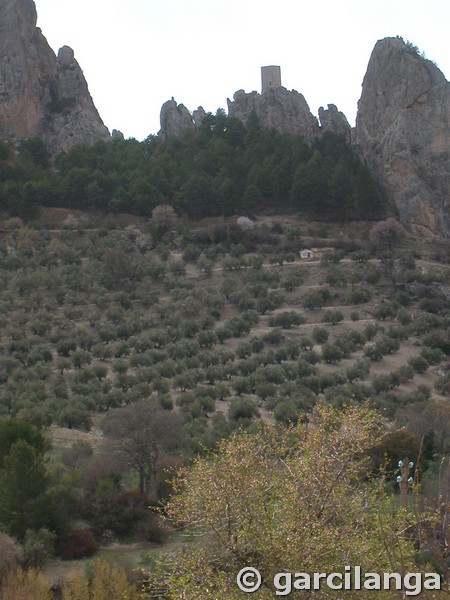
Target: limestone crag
(334,121)
(41,94)
(278,108)
(198,115)
(117,135)
(176,118)
(402,131)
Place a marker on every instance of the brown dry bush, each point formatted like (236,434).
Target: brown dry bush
(25,585)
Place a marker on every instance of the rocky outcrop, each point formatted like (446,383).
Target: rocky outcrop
(280,109)
(117,135)
(176,118)
(198,115)
(334,121)
(402,131)
(74,118)
(41,94)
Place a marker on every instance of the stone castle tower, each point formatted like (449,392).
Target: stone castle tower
(270,77)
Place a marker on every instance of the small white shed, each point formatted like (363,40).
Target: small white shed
(306,253)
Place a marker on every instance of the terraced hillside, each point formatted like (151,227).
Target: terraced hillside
(220,323)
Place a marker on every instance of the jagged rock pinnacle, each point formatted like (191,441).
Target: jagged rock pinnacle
(41,94)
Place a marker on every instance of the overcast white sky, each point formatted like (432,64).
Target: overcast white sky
(136,54)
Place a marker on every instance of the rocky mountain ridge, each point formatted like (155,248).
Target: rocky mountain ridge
(42,94)
(278,108)
(402,128)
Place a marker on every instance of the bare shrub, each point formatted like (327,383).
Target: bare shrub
(10,555)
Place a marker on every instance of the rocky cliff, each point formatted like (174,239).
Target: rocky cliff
(280,109)
(402,131)
(41,94)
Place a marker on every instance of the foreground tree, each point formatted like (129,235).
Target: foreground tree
(292,499)
(24,502)
(23,487)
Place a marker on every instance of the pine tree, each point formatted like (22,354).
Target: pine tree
(23,486)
